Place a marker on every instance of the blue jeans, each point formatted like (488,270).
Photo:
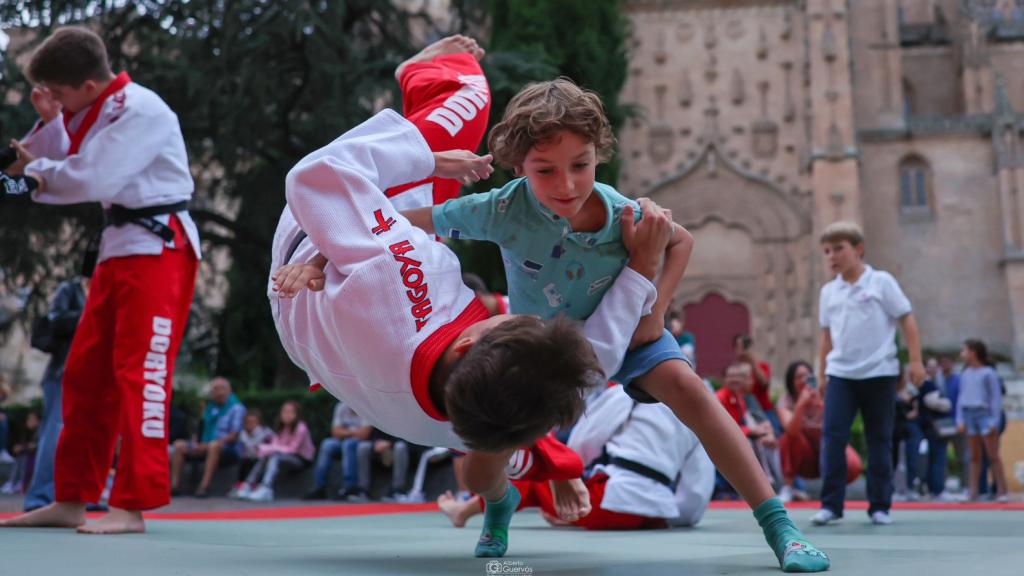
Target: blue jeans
(876,400)
(4,427)
(911,449)
(937,448)
(333,449)
(40,492)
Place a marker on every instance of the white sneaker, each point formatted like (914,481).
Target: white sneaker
(415,497)
(879,518)
(244,491)
(1003,498)
(947,496)
(823,517)
(786,494)
(261,494)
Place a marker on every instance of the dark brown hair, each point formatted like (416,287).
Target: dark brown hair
(791,377)
(980,350)
(539,111)
(280,425)
(520,380)
(69,57)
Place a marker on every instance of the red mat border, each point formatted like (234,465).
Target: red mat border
(376,509)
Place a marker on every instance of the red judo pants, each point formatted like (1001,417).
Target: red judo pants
(449,102)
(538,495)
(801,455)
(117,380)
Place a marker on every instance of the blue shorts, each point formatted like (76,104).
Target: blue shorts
(642,360)
(979,420)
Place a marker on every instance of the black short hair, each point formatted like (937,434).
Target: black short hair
(520,380)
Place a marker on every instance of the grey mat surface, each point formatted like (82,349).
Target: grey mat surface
(920,543)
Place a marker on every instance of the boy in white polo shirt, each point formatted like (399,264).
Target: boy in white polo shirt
(859,311)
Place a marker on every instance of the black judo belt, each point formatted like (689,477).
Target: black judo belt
(294,246)
(636,467)
(119,216)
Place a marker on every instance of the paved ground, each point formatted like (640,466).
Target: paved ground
(921,543)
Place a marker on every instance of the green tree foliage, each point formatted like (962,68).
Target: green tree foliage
(257,84)
(531,41)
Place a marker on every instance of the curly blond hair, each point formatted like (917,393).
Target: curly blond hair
(539,111)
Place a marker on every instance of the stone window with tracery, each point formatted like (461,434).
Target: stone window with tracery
(915,187)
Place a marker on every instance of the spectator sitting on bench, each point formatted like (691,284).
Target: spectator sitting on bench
(347,430)
(291,449)
(222,424)
(253,435)
(389,451)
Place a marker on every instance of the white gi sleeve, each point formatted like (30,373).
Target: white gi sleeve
(336,193)
(696,483)
(611,326)
(49,140)
(108,161)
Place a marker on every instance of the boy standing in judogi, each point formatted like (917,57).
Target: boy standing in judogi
(103,138)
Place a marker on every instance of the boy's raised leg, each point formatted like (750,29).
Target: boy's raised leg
(678,387)
(450,45)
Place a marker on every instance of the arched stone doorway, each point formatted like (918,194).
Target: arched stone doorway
(753,251)
(714,321)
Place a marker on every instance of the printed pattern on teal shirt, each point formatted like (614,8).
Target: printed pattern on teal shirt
(550,269)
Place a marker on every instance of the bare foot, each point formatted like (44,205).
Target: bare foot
(554,520)
(450,45)
(571,499)
(117,521)
(458,512)
(55,515)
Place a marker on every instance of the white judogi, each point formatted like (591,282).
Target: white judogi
(394,297)
(649,434)
(133,155)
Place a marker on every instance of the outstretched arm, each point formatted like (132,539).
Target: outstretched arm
(612,324)
(677,257)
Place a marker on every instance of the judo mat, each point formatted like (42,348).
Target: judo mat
(221,538)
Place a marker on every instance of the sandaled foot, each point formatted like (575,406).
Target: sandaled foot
(571,499)
(117,521)
(452,508)
(456,44)
(55,515)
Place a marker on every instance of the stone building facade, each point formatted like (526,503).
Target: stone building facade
(762,121)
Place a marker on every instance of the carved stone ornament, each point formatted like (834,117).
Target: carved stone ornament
(734,29)
(764,138)
(685,91)
(762,45)
(660,50)
(685,32)
(829,47)
(737,91)
(660,143)
(787,24)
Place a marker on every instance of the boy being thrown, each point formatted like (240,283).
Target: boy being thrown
(558,235)
(396,335)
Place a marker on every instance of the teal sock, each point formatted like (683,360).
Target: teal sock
(794,552)
(493,540)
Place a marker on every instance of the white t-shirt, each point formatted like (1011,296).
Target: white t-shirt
(861,318)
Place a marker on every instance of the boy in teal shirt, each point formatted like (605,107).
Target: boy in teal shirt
(561,242)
